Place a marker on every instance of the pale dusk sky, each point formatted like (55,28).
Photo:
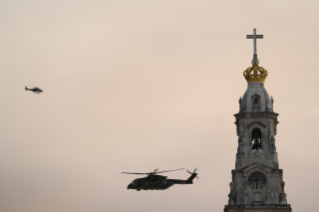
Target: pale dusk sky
(133,86)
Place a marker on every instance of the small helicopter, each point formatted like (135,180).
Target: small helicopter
(157,182)
(34,90)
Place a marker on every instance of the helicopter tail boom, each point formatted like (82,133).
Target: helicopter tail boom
(190,179)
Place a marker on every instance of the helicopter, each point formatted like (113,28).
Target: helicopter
(34,90)
(158,182)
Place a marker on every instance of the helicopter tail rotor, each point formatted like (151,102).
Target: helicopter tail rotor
(193,175)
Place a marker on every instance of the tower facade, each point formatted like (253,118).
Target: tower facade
(257,182)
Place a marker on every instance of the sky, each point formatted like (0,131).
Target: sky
(133,86)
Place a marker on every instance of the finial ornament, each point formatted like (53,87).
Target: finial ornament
(255,73)
(254,36)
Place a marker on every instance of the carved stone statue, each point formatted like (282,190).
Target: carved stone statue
(271,198)
(246,198)
(231,194)
(283,195)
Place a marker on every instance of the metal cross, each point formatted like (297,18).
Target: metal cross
(254,36)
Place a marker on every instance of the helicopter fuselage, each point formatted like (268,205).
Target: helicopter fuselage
(34,90)
(157,182)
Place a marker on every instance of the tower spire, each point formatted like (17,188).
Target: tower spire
(256,182)
(255,37)
(255,73)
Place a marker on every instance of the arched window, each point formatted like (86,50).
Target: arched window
(256,134)
(256,100)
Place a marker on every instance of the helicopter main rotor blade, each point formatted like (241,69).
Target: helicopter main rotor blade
(133,173)
(168,170)
(151,173)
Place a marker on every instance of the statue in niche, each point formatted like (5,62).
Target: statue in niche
(271,198)
(246,197)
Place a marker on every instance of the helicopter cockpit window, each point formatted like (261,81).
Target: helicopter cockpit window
(134,182)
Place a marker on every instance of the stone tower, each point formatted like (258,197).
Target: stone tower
(257,182)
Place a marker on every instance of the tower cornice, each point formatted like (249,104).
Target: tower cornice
(259,207)
(253,165)
(256,114)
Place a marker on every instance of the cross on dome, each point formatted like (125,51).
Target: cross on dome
(255,73)
(255,36)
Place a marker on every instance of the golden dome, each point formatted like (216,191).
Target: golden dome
(255,73)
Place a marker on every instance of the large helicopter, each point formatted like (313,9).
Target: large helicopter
(157,182)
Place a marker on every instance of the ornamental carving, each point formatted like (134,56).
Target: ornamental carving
(271,198)
(256,122)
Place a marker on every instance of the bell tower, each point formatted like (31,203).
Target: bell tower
(257,182)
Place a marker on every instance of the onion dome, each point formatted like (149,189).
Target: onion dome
(256,99)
